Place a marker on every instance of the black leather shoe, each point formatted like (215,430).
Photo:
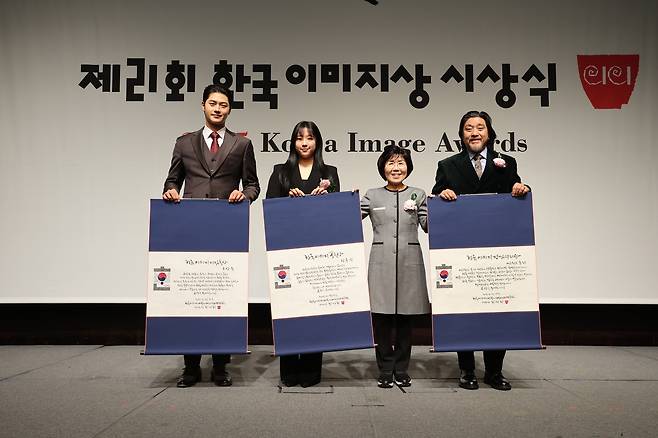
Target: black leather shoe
(468,380)
(403,380)
(289,382)
(190,376)
(497,381)
(307,383)
(221,377)
(385,380)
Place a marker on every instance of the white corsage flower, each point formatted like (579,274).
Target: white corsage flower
(409,205)
(324,184)
(499,162)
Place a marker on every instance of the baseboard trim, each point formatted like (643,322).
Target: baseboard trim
(123,324)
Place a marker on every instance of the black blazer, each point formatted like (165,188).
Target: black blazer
(276,190)
(457,173)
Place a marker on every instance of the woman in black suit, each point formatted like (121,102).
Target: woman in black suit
(305,173)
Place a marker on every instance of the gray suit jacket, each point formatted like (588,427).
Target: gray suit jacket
(205,178)
(396,273)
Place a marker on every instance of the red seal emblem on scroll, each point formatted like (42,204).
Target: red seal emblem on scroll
(608,80)
(444,279)
(282,277)
(161,279)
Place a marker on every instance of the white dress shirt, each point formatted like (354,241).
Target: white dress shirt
(206,136)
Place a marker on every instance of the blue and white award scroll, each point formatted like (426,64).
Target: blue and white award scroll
(197,277)
(317,274)
(483,273)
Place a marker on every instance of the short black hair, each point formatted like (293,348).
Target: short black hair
(487,120)
(214,88)
(390,151)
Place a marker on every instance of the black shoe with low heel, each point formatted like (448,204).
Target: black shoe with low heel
(190,376)
(467,380)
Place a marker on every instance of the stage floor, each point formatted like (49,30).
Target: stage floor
(97,391)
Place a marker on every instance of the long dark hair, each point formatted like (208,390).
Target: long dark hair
(487,121)
(290,166)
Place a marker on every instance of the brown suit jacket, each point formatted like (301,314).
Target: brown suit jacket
(234,162)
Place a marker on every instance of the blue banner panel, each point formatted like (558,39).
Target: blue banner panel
(487,331)
(294,222)
(199,225)
(343,331)
(196,335)
(480,221)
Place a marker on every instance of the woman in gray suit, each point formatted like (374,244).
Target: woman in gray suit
(396,273)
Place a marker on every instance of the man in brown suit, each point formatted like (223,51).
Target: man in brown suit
(211,163)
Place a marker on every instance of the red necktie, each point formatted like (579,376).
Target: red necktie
(214,147)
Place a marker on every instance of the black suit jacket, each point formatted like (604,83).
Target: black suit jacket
(457,173)
(235,161)
(276,190)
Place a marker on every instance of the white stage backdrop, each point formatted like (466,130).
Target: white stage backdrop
(79,163)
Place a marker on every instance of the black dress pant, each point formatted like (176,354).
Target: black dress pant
(218,360)
(493,360)
(393,339)
(305,369)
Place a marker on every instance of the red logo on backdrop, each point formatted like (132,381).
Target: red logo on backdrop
(608,80)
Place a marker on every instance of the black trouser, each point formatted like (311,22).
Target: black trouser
(218,360)
(305,369)
(493,360)
(393,339)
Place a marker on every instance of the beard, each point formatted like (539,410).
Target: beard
(475,149)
